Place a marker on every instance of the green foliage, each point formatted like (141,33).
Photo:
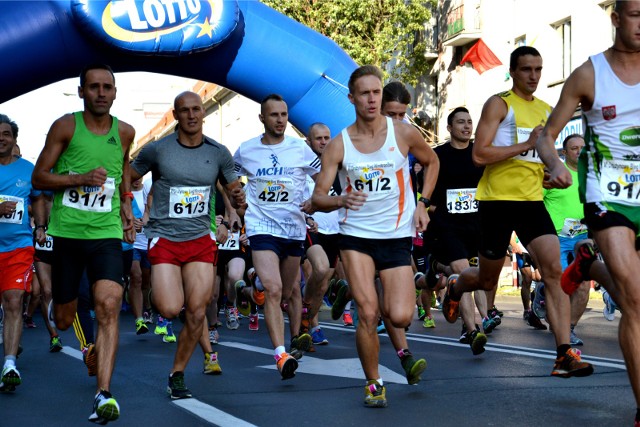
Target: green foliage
(379,32)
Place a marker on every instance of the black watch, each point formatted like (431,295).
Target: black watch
(425,201)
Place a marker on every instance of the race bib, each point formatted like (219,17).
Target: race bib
(462,200)
(572,227)
(377,179)
(189,202)
(15,217)
(620,181)
(529,155)
(232,243)
(46,246)
(88,198)
(274,191)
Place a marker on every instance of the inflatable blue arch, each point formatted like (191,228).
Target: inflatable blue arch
(244,46)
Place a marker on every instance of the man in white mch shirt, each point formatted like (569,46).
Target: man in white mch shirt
(276,167)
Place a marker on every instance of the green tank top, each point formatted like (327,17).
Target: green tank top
(86,212)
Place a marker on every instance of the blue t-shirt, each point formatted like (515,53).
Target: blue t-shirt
(15,186)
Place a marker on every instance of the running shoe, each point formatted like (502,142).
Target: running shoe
(381,329)
(609,310)
(211,364)
(450,308)
(148,317)
(429,322)
(477,341)
(421,313)
(105,408)
(493,312)
(232,318)
(535,322)
(571,365)
(161,327)
(341,300)
(90,359)
(28,321)
(374,395)
(413,368)
(170,336)
(578,270)
(253,322)
(573,338)
(258,297)
(214,336)
(10,379)
(176,388)
(318,338)
(347,320)
(538,305)
(286,365)
(488,325)
(141,327)
(55,344)
(302,342)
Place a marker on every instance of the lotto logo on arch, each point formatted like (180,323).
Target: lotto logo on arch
(609,112)
(164,27)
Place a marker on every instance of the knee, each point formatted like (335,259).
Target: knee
(368,316)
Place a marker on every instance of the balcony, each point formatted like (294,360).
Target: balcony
(463,24)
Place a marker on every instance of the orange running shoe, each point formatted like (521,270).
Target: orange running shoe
(578,270)
(571,365)
(287,366)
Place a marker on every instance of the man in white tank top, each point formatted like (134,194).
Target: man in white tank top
(378,217)
(607,87)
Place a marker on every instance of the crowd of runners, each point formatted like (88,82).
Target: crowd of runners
(374,223)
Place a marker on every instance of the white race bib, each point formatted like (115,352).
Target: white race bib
(189,202)
(377,179)
(620,181)
(462,200)
(90,198)
(572,227)
(529,155)
(232,243)
(46,246)
(15,217)
(274,190)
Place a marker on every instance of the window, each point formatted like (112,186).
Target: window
(520,41)
(563,29)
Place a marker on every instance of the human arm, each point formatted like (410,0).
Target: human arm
(425,155)
(57,140)
(484,152)
(321,200)
(40,217)
(127,134)
(578,87)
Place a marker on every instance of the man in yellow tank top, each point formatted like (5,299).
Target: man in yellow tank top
(510,195)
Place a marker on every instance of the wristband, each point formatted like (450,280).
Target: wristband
(127,194)
(44,227)
(226,224)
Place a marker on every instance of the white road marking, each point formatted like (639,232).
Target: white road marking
(211,414)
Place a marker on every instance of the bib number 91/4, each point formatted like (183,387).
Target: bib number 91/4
(620,182)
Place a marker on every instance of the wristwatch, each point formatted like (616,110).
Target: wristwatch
(425,201)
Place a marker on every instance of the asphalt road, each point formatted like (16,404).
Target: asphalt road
(508,385)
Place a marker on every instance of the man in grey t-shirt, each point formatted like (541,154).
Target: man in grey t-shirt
(185,167)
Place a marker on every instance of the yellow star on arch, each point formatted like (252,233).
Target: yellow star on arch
(205,28)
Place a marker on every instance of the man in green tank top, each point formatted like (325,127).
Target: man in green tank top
(85,161)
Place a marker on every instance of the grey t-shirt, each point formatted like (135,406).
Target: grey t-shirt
(184,181)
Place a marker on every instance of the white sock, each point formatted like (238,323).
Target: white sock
(279,350)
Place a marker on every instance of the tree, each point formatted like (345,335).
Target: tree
(380,32)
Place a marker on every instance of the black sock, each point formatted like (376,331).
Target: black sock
(637,414)
(562,349)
